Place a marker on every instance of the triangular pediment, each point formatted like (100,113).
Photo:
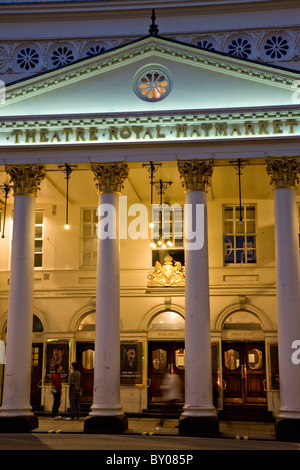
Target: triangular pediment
(105,84)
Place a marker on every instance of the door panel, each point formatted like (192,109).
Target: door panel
(244,372)
(85,353)
(36,374)
(162,356)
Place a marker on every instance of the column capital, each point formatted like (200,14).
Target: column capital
(196,174)
(110,176)
(26,178)
(283,171)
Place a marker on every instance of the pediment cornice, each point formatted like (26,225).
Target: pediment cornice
(150,47)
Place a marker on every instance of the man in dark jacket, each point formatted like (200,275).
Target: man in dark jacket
(74,392)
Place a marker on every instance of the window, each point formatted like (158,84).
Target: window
(89,237)
(38,238)
(167,233)
(240,234)
(152,84)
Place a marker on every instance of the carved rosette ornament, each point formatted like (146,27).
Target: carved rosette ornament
(109,177)
(283,171)
(196,174)
(26,179)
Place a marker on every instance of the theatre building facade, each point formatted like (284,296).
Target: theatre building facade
(149,224)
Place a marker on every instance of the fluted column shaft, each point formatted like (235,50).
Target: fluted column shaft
(16,391)
(284,179)
(109,179)
(196,175)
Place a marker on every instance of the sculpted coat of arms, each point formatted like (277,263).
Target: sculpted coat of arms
(171,273)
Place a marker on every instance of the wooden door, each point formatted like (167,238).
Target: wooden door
(163,357)
(85,355)
(244,373)
(36,374)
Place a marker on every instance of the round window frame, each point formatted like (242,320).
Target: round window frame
(152,68)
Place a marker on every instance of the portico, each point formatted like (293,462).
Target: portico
(242,111)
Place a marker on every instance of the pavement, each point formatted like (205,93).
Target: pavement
(149,426)
(144,444)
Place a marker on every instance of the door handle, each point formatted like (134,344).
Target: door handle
(243,371)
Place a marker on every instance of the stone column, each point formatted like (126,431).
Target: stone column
(199,416)
(284,178)
(15,413)
(107,415)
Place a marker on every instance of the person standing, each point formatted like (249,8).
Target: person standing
(74,392)
(56,391)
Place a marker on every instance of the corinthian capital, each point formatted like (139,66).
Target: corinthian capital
(196,174)
(283,171)
(26,178)
(109,177)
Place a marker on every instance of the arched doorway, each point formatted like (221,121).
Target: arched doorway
(244,367)
(166,353)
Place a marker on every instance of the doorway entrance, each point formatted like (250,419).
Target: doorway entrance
(85,355)
(244,372)
(164,356)
(244,375)
(36,375)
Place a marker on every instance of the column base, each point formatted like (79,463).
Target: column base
(106,424)
(199,426)
(18,424)
(288,430)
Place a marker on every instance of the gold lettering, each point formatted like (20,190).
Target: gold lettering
(67,131)
(195,131)
(16,133)
(148,134)
(137,130)
(80,134)
(30,134)
(206,128)
(276,127)
(44,135)
(158,133)
(221,129)
(249,128)
(181,129)
(56,137)
(125,133)
(291,124)
(263,127)
(236,129)
(113,132)
(93,134)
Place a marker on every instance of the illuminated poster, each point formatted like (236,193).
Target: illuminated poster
(57,353)
(131,363)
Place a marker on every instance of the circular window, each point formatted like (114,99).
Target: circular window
(152,84)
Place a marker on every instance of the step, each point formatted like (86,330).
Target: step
(255,413)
